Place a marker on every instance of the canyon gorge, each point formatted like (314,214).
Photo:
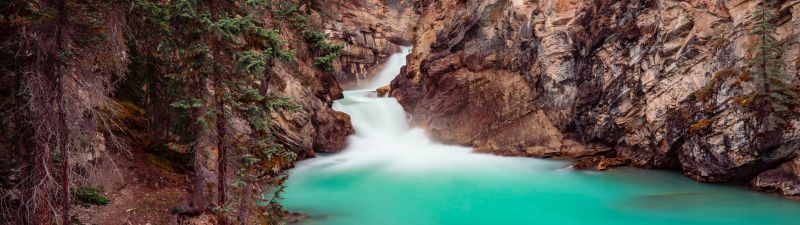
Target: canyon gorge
(399,112)
(644,83)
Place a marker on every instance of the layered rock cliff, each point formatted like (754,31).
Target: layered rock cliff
(649,83)
(370,30)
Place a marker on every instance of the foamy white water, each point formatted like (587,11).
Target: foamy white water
(389,70)
(392,174)
(383,136)
(384,139)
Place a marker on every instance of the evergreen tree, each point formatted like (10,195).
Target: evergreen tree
(774,90)
(195,65)
(217,56)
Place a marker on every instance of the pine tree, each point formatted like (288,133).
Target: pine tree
(774,88)
(216,57)
(204,63)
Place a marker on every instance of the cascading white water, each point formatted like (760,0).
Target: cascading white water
(392,174)
(390,69)
(383,136)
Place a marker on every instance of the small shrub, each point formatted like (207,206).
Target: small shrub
(286,11)
(86,197)
(291,13)
(162,163)
(177,210)
(298,21)
(328,52)
(326,62)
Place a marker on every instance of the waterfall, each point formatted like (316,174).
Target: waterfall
(390,69)
(383,136)
(391,173)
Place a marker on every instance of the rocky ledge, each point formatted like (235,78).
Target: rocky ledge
(652,84)
(784,180)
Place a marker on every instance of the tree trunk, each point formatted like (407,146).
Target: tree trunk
(63,146)
(42,213)
(63,130)
(221,133)
(245,203)
(221,130)
(50,124)
(204,170)
(264,87)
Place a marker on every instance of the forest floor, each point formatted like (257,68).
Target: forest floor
(141,189)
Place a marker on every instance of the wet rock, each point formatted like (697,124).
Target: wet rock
(600,163)
(295,217)
(313,125)
(735,149)
(578,78)
(784,180)
(384,91)
(333,129)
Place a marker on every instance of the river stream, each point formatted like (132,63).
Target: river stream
(392,174)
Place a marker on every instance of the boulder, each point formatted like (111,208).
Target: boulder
(784,180)
(333,129)
(384,91)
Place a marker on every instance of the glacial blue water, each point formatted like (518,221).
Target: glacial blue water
(391,174)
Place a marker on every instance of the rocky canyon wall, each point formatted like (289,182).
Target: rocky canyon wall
(370,30)
(649,83)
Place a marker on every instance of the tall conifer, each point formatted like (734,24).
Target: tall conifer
(774,88)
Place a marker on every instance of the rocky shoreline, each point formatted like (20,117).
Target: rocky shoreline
(611,83)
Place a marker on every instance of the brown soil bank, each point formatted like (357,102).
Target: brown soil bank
(654,84)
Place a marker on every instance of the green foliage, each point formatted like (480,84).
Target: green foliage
(177,210)
(190,61)
(253,61)
(188,104)
(774,86)
(257,2)
(298,21)
(326,62)
(315,40)
(291,13)
(86,197)
(281,103)
(232,28)
(286,11)
(328,52)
